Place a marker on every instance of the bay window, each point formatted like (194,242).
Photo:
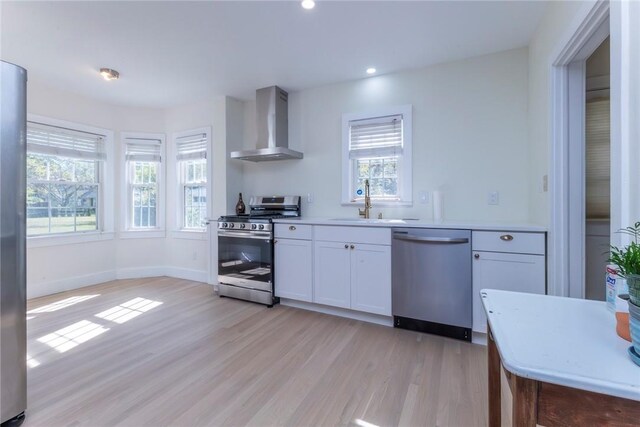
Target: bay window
(191,158)
(143,163)
(64,180)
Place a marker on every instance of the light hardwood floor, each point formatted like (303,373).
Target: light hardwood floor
(197,360)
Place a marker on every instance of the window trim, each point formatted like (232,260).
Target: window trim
(406,176)
(106,195)
(180,231)
(126,231)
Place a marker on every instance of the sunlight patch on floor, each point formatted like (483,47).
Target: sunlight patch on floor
(363,423)
(31,362)
(128,310)
(73,335)
(59,305)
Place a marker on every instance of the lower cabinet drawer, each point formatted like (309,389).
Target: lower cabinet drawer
(508,241)
(293,231)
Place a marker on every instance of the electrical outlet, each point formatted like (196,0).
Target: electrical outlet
(423,196)
(309,198)
(545,183)
(493,198)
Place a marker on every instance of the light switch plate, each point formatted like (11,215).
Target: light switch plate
(493,198)
(309,198)
(423,196)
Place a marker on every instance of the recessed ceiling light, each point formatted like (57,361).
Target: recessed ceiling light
(308,4)
(109,74)
(371,70)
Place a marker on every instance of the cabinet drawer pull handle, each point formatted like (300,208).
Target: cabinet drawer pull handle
(353,247)
(346,246)
(292,227)
(506,237)
(476,256)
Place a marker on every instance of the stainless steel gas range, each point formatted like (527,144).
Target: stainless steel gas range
(245,249)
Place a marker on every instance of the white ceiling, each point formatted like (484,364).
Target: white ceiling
(170,53)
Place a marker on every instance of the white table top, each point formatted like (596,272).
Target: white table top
(563,341)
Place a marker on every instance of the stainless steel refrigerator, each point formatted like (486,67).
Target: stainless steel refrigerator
(13,298)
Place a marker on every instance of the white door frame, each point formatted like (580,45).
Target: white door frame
(625,110)
(566,175)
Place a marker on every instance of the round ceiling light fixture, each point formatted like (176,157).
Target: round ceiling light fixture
(308,4)
(371,70)
(109,74)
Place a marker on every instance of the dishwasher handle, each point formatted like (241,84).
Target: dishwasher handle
(441,240)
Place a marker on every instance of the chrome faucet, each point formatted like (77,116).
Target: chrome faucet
(367,201)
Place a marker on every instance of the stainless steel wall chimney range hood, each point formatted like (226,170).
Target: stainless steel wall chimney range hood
(272,126)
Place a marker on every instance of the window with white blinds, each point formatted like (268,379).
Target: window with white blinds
(377,149)
(598,158)
(69,143)
(191,147)
(376,137)
(143,149)
(63,179)
(143,158)
(191,157)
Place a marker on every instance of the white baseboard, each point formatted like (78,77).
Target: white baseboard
(341,312)
(55,286)
(35,290)
(140,272)
(187,274)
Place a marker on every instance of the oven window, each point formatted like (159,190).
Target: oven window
(244,259)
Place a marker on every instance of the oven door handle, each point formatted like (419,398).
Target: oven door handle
(241,235)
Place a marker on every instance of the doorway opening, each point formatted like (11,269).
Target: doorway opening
(597,170)
(567,243)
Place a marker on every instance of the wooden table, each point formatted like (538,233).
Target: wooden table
(563,360)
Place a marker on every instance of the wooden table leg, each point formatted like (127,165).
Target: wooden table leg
(525,402)
(494,367)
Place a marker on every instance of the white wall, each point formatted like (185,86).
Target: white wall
(552,29)
(469,138)
(55,268)
(191,257)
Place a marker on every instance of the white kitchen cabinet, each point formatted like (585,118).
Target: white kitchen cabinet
(505,271)
(371,279)
(353,275)
(293,269)
(332,274)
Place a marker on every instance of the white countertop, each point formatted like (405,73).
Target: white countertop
(464,225)
(563,341)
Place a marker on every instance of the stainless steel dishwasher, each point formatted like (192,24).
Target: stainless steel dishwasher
(431,281)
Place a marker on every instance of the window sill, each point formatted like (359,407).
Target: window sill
(380,203)
(142,234)
(67,239)
(190,234)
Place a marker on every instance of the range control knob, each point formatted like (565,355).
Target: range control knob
(253,226)
(261,227)
(232,225)
(225,225)
(242,226)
